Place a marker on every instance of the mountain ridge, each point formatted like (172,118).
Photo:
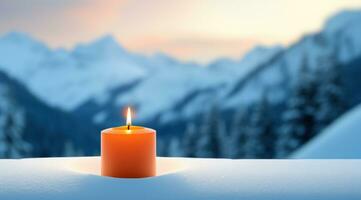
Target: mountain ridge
(101,66)
(163,87)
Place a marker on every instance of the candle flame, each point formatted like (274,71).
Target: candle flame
(129,118)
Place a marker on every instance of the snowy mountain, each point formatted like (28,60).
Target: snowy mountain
(95,80)
(92,73)
(339,42)
(86,71)
(340,140)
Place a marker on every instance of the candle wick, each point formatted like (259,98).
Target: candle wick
(128,126)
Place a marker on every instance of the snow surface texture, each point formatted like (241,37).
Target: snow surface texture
(180,178)
(340,140)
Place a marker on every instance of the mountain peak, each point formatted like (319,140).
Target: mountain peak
(342,19)
(260,51)
(22,39)
(164,57)
(107,40)
(14,35)
(106,43)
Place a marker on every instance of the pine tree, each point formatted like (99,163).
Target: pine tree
(238,134)
(175,148)
(209,144)
(298,123)
(259,137)
(70,150)
(189,141)
(223,138)
(331,103)
(12,126)
(162,147)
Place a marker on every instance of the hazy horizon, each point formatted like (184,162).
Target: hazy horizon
(186,30)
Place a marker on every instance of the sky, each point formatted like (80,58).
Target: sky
(196,30)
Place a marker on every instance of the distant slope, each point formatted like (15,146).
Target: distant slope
(340,39)
(340,140)
(341,36)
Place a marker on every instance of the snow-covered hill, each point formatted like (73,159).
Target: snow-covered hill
(340,140)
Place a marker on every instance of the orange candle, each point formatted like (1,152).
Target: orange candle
(128,151)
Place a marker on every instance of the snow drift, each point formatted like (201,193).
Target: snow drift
(76,178)
(340,140)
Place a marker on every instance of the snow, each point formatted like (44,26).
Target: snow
(342,139)
(181,178)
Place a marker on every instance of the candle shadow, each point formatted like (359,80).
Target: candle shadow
(91,165)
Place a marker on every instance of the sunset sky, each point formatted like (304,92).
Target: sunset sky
(199,30)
